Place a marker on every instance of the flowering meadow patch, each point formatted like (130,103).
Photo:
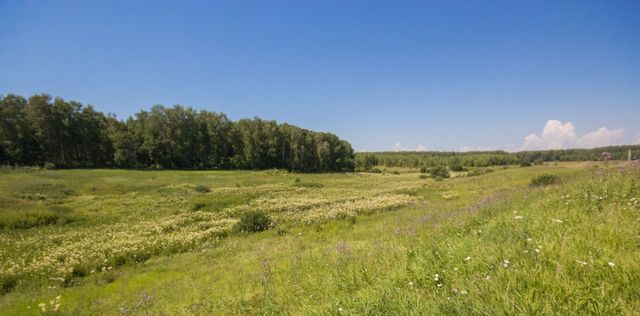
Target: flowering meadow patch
(136,225)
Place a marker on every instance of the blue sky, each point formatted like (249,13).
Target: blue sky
(440,75)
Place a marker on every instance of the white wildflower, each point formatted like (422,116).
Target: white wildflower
(611,264)
(505,263)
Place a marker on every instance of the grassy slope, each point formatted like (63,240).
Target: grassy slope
(386,263)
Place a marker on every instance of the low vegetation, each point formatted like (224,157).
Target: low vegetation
(544,179)
(360,243)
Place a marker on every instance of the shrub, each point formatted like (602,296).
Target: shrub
(201,188)
(395,172)
(479,172)
(544,180)
(198,206)
(7,283)
(375,170)
(423,176)
(456,166)
(439,171)
(253,221)
(423,169)
(525,164)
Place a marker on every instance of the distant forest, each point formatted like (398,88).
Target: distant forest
(455,160)
(41,131)
(54,133)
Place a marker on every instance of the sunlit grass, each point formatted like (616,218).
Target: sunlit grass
(488,244)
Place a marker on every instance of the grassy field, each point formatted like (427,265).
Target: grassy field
(116,242)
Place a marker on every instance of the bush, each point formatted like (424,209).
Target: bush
(253,221)
(7,283)
(525,164)
(479,172)
(456,166)
(423,176)
(439,171)
(375,170)
(201,188)
(544,180)
(423,169)
(198,206)
(395,172)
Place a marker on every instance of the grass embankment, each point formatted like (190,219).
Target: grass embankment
(489,244)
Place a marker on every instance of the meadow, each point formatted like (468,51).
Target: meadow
(123,242)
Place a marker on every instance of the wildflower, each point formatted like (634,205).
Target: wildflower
(517,217)
(467,258)
(529,239)
(43,307)
(557,220)
(583,263)
(611,264)
(436,277)
(410,283)
(505,263)
(463,292)
(340,309)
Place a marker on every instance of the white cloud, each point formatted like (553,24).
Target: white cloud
(398,147)
(469,148)
(602,137)
(558,135)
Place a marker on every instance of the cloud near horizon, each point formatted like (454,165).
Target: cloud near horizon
(398,147)
(558,135)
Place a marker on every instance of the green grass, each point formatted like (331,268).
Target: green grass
(355,244)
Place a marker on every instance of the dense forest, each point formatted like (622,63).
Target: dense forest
(455,160)
(41,131)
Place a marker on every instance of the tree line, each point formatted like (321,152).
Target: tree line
(456,160)
(45,131)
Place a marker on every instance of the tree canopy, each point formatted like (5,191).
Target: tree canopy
(67,134)
(459,160)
